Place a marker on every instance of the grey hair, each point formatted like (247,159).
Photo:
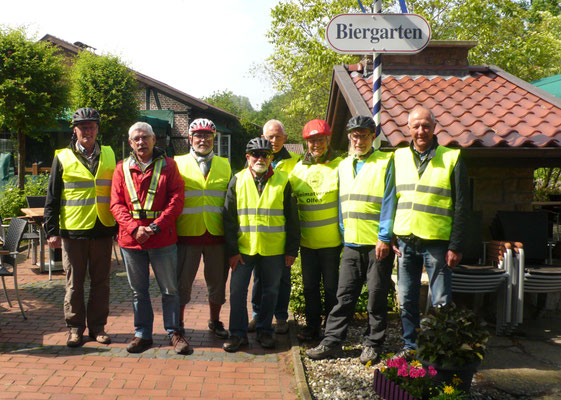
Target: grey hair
(271,122)
(142,127)
(418,109)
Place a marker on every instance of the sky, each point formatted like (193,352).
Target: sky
(196,46)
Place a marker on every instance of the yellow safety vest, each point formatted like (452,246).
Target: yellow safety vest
(261,218)
(361,197)
(316,191)
(85,197)
(140,211)
(204,198)
(288,164)
(424,206)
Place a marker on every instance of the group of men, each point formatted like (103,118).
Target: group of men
(171,212)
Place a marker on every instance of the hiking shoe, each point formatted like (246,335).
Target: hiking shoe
(139,345)
(266,340)
(252,325)
(369,354)
(281,327)
(179,343)
(101,337)
(235,343)
(74,339)
(217,327)
(321,351)
(309,333)
(407,354)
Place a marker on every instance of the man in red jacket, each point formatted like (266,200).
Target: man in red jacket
(147,196)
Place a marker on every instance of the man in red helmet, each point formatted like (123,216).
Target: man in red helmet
(200,228)
(314,184)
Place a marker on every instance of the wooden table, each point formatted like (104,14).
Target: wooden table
(36,216)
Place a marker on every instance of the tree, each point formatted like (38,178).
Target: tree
(33,89)
(106,84)
(228,101)
(521,37)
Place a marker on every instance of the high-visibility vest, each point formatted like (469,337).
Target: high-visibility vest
(85,197)
(361,197)
(143,211)
(261,218)
(204,198)
(316,191)
(288,164)
(424,205)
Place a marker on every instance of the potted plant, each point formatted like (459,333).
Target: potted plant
(453,341)
(399,379)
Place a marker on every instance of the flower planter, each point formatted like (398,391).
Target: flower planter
(446,374)
(388,389)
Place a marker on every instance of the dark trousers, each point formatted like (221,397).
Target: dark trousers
(81,257)
(359,265)
(318,265)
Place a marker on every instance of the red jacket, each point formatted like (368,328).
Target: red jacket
(169,199)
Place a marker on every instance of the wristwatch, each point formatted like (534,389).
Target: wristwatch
(155,228)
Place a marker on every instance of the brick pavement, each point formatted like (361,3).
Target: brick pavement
(36,364)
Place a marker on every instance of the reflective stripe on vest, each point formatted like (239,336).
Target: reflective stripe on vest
(316,191)
(288,164)
(261,218)
(361,197)
(424,205)
(138,210)
(85,197)
(204,198)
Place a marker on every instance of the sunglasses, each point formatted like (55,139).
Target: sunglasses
(259,154)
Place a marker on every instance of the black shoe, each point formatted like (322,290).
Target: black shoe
(139,345)
(309,333)
(266,340)
(235,343)
(217,328)
(251,326)
(407,354)
(321,351)
(369,354)
(281,327)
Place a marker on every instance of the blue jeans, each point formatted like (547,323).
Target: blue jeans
(431,254)
(164,265)
(281,308)
(270,270)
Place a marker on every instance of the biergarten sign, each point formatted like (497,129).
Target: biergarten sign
(378,33)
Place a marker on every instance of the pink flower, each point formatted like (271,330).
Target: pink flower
(414,372)
(432,371)
(422,372)
(402,371)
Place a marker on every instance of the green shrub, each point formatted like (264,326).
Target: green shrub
(12,200)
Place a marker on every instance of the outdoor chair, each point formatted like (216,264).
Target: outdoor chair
(533,271)
(34,229)
(8,254)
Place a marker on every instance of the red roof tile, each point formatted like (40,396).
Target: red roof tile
(482,109)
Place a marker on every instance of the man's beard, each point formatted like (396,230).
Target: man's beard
(259,168)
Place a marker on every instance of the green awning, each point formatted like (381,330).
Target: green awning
(552,85)
(160,120)
(223,129)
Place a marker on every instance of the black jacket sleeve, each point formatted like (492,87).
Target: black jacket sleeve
(292,224)
(230,220)
(461,198)
(52,204)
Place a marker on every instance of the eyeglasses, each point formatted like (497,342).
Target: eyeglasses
(144,138)
(203,135)
(355,137)
(259,154)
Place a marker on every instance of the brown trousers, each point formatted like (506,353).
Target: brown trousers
(81,256)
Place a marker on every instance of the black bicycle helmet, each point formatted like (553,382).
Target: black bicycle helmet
(361,121)
(85,114)
(258,143)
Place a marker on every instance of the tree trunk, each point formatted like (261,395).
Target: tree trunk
(21,160)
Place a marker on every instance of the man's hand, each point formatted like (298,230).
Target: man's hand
(142,234)
(395,248)
(289,260)
(382,250)
(234,261)
(453,258)
(55,242)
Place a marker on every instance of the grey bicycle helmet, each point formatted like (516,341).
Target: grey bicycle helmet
(361,121)
(85,114)
(258,143)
